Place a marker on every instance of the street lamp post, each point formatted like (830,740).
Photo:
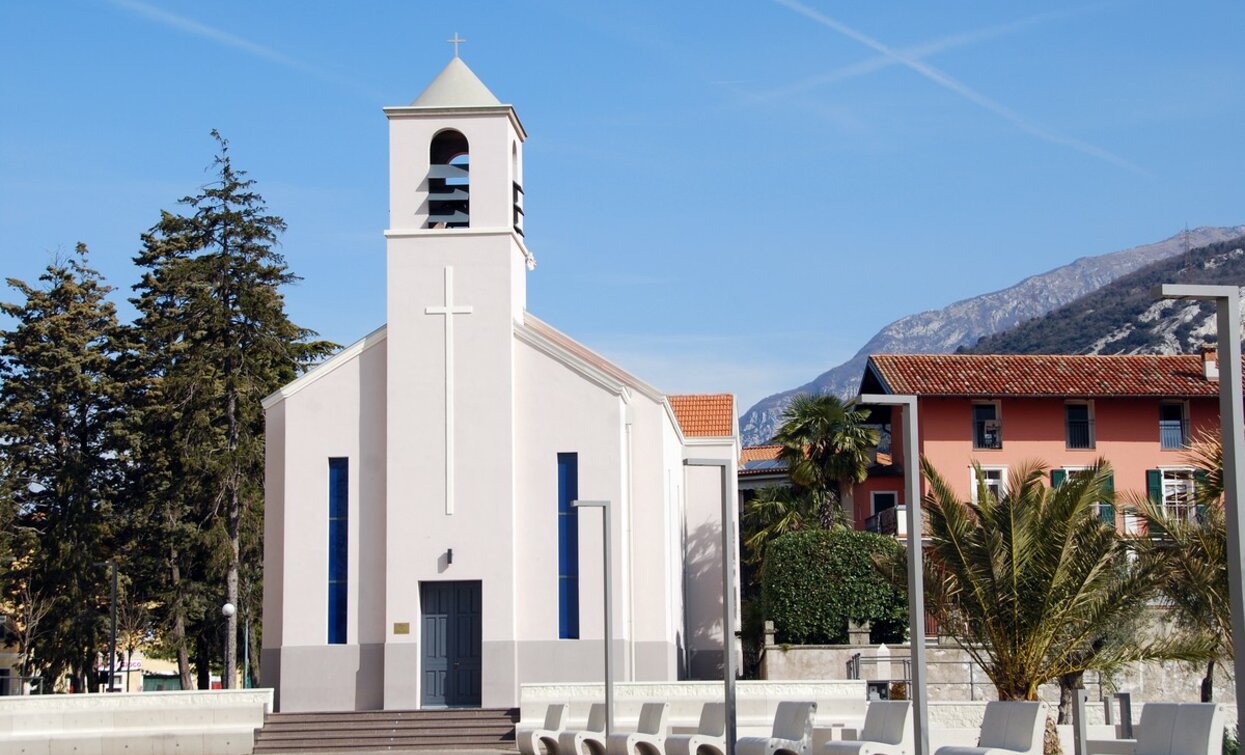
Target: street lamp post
(112,641)
(728,595)
(227,610)
(609,622)
(916,562)
(1232,426)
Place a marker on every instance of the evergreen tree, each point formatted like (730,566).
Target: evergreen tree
(60,415)
(213,339)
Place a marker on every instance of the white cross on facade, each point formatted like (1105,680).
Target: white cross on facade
(456,42)
(449,310)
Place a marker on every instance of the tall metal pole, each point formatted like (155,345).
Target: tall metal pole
(728,595)
(1232,426)
(609,610)
(916,562)
(112,643)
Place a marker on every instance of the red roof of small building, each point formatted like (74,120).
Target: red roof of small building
(705,415)
(1043,375)
(759,453)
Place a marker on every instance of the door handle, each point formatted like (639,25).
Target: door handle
(455,664)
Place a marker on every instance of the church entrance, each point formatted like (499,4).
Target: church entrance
(450,637)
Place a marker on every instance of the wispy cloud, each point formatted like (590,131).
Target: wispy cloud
(880,62)
(222,37)
(908,59)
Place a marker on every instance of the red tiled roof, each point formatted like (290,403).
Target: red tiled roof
(759,453)
(1043,375)
(705,415)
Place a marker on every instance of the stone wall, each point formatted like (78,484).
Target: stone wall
(953,676)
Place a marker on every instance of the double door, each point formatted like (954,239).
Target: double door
(450,637)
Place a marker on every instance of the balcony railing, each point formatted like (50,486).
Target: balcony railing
(1171,434)
(893,521)
(1080,434)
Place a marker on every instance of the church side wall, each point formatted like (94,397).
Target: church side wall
(557,411)
(340,414)
(704,555)
(657,543)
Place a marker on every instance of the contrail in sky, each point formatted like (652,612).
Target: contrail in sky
(942,44)
(948,82)
(190,26)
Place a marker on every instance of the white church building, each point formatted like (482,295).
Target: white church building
(420,548)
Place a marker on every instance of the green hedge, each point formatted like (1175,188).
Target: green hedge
(814,581)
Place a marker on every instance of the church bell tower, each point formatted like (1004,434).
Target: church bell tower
(457,266)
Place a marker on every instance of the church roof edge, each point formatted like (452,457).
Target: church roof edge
(327,366)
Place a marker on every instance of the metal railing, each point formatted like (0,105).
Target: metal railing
(979,685)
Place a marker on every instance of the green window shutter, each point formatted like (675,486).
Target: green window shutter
(1107,509)
(1200,479)
(1057,476)
(1154,485)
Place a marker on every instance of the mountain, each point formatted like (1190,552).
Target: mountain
(965,322)
(1123,317)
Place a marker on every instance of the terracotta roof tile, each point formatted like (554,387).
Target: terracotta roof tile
(759,453)
(705,415)
(1043,375)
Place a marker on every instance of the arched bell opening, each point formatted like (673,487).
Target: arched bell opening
(449,190)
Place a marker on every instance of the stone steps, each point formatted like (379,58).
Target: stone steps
(459,730)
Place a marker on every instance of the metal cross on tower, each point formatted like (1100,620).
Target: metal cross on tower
(456,41)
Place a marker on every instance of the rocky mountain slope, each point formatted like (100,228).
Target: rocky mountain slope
(1123,317)
(965,322)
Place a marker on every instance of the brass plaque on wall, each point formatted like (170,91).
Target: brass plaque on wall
(401,627)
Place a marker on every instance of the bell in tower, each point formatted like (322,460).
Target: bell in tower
(449,184)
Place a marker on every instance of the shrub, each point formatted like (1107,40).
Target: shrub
(814,581)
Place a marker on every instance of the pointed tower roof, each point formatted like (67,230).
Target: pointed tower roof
(456,86)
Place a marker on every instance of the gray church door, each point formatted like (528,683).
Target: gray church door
(450,636)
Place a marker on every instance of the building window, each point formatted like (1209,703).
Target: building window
(1104,509)
(1175,490)
(1079,425)
(993,478)
(568,547)
(987,430)
(1173,425)
(339,549)
(883,500)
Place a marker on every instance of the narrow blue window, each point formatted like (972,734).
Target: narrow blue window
(339,565)
(568,547)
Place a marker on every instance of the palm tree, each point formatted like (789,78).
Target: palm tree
(827,447)
(775,510)
(1193,555)
(1033,585)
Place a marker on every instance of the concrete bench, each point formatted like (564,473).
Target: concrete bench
(150,723)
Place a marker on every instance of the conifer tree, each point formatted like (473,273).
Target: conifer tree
(214,340)
(60,415)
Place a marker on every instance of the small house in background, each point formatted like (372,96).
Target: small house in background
(1138,412)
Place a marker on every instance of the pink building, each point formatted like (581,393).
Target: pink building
(1137,412)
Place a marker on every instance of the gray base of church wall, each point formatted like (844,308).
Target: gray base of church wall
(327,677)
(270,673)
(656,662)
(401,676)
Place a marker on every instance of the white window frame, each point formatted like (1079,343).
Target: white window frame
(1002,487)
(1089,410)
(1187,509)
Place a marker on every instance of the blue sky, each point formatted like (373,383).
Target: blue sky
(722,196)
